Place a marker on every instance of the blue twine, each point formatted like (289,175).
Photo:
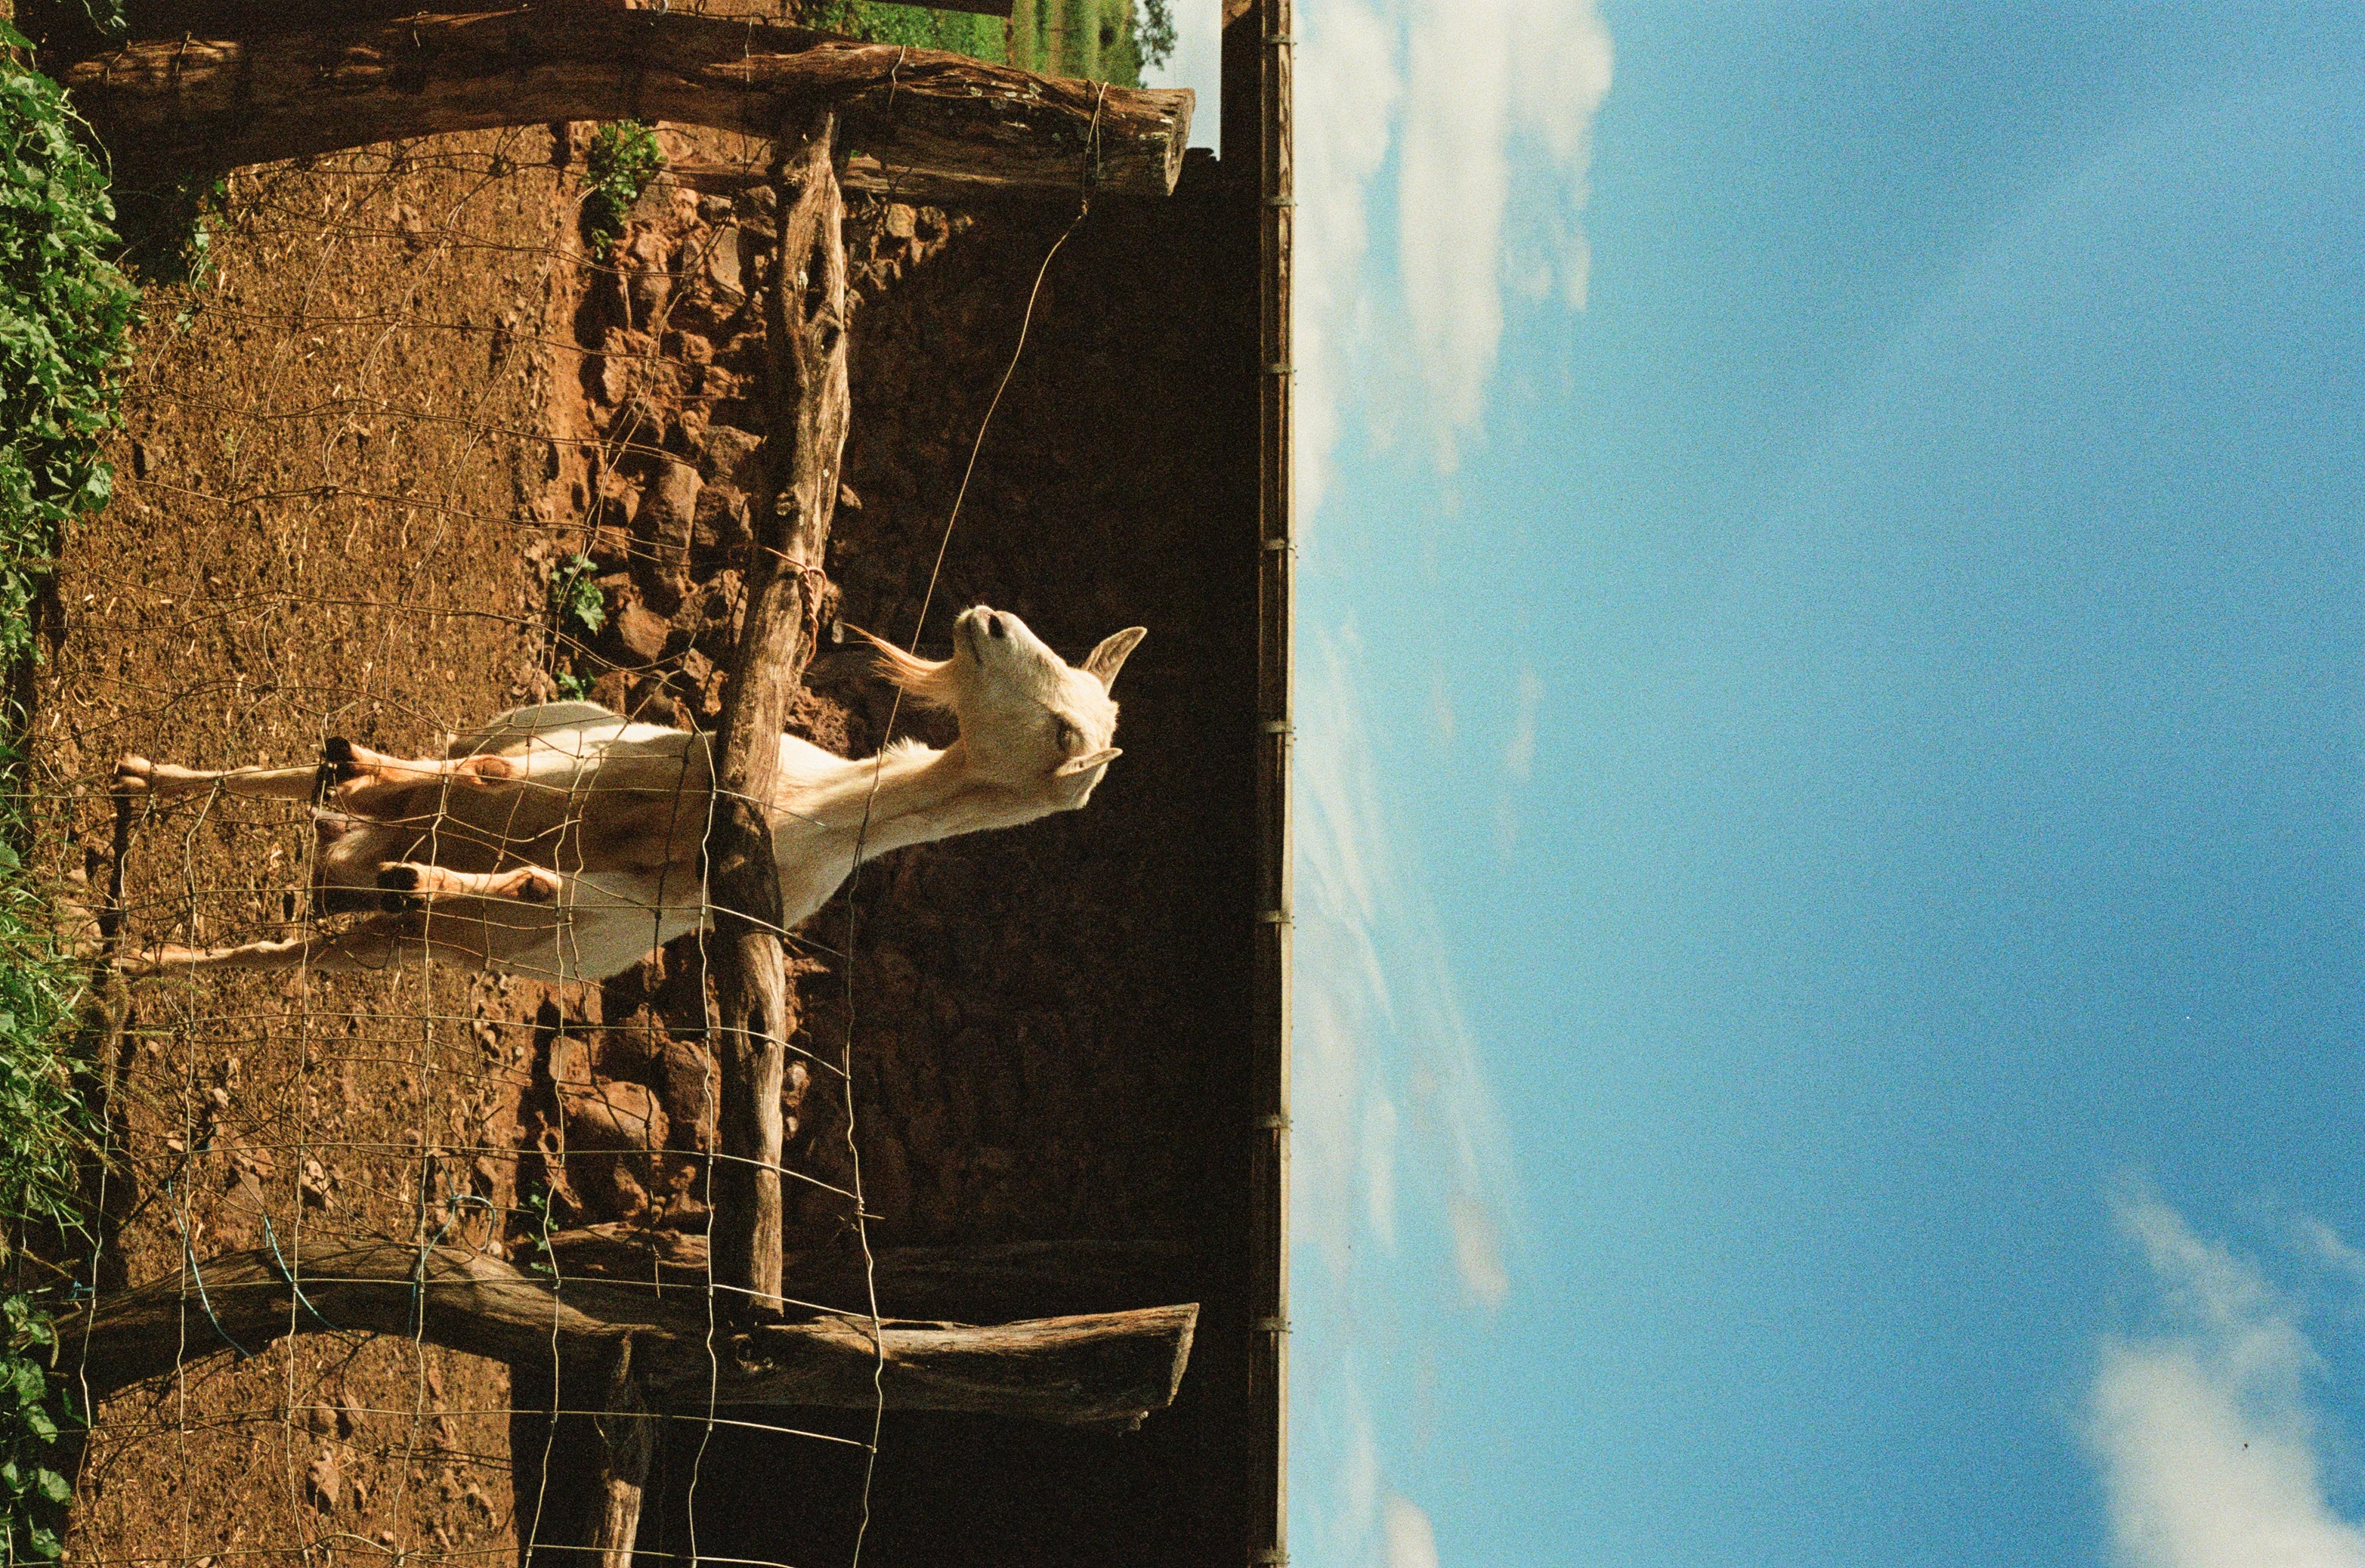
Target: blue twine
(288,1275)
(189,1257)
(453,1206)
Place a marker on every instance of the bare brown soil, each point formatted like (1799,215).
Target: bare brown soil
(324,524)
(346,480)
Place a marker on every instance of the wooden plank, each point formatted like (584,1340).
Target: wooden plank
(173,104)
(1260,51)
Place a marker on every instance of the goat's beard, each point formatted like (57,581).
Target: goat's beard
(928,681)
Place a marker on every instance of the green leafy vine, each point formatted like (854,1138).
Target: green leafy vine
(65,313)
(624,157)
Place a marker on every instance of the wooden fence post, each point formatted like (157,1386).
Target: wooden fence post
(805,322)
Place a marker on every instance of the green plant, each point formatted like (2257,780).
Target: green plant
(34,1493)
(41,1116)
(43,1135)
(168,231)
(579,610)
(624,157)
(576,595)
(533,1248)
(64,310)
(957,32)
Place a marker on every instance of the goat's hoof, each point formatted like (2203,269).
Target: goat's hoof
(337,759)
(398,889)
(137,775)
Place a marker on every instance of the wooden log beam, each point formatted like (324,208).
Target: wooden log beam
(1103,1369)
(985,1282)
(252,18)
(949,124)
(808,410)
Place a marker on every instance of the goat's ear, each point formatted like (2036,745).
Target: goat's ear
(1088,761)
(1109,657)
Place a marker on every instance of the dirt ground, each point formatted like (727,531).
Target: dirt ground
(323,524)
(353,459)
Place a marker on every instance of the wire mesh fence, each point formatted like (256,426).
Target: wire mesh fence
(361,443)
(420,444)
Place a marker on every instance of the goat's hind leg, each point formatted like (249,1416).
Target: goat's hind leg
(164,781)
(286,953)
(380,942)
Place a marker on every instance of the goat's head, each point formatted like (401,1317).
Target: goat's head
(1029,720)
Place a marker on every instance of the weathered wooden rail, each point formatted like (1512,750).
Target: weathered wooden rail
(1106,1368)
(942,126)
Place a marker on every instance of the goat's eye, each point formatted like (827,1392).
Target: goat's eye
(1064,733)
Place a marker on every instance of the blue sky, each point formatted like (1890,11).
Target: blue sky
(1830,711)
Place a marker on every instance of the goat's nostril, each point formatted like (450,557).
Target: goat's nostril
(993,625)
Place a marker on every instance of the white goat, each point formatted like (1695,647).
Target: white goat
(562,842)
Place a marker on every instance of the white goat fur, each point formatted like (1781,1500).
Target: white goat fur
(562,842)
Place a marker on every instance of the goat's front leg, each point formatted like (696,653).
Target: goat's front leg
(137,775)
(373,784)
(312,950)
(410,883)
(356,774)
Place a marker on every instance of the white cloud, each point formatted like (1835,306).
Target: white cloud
(1348,86)
(1453,188)
(1440,711)
(1344,999)
(1488,105)
(1411,1542)
(1520,754)
(2202,1430)
(1380,1167)
(2321,1240)
(1360,1476)
(1478,1252)
(1441,149)
(1377,1008)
